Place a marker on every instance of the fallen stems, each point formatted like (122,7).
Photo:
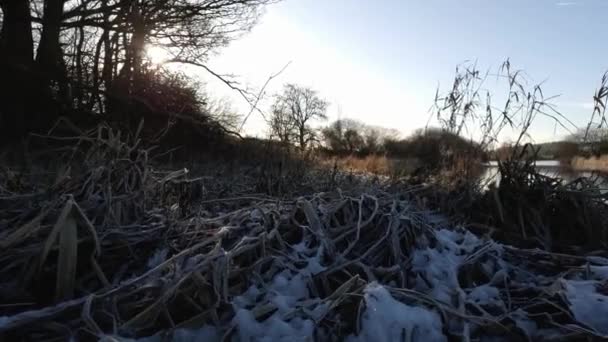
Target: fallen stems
(117,249)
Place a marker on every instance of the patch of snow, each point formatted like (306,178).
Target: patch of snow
(588,306)
(256,214)
(286,292)
(300,247)
(599,272)
(437,268)
(486,295)
(598,260)
(436,260)
(386,319)
(247,298)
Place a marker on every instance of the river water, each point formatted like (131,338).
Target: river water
(552,168)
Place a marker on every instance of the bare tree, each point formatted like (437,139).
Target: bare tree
(93,51)
(334,136)
(353,140)
(299,106)
(222,111)
(372,140)
(349,136)
(281,124)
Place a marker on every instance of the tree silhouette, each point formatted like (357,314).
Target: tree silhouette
(90,54)
(294,110)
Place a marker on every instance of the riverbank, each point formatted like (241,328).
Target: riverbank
(590,164)
(226,251)
(132,250)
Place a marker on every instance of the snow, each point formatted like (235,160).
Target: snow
(587,305)
(599,272)
(486,295)
(280,307)
(598,260)
(437,267)
(386,319)
(287,290)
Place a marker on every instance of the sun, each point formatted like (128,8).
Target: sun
(156,54)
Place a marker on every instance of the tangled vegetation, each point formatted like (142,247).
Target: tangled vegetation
(105,235)
(113,247)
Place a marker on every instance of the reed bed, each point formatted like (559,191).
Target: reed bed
(112,248)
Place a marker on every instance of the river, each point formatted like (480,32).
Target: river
(552,168)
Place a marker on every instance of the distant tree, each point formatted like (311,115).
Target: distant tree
(351,136)
(281,125)
(353,140)
(591,135)
(293,112)
(333,136)
(371,142)
(566,150)
(343,136)
(434,148)
(591,140)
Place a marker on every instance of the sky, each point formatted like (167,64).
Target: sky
(381,61)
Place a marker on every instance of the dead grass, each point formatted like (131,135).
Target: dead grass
(79,256)
(590,164)
(373,164)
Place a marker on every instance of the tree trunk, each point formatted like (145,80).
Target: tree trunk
(16,58)
(302,133)
(49,55)
(16,43)
(49,50)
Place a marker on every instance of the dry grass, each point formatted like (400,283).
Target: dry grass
(79,256)
(374,164)
(590,164)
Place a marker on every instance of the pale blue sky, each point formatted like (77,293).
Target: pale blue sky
(381,61)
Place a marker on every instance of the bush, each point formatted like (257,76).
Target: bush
(434,148)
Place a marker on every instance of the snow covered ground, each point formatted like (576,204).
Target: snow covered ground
(361,268)
(440,302)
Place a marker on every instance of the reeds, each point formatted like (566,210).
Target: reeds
(120,248)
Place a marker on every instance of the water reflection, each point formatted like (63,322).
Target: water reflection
(550,168)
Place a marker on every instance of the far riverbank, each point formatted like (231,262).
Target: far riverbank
(590,164)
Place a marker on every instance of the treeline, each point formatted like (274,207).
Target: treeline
(586,143)
(351,137)
(590,142)
(73,58)
(296,108)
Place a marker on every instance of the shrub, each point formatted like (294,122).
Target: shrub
(434,148)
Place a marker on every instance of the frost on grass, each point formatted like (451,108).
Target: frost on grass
(366,267)
(286,293)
